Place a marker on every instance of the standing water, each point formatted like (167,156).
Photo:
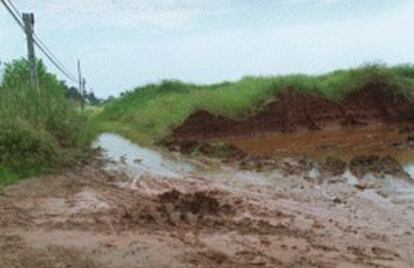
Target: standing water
(409,168)
(137,161)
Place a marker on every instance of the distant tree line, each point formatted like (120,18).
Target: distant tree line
(17,74)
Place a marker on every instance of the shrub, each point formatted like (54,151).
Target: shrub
(39,128)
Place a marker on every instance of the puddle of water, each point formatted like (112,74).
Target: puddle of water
(344,143)
(137,160)
(314,173)
(350,178)
(409,168)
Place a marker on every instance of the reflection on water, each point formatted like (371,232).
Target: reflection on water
(409,168)
(137,160)
(350,178)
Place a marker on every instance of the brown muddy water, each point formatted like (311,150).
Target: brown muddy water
(342,143)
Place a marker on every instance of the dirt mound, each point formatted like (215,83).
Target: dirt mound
(332,167)
(204,124)
(372,164)
(174,208)
(191,206)
(295,110)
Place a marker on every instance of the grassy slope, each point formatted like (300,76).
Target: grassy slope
(148,114)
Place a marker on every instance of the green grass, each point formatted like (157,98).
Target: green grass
(148,114)
(39,129)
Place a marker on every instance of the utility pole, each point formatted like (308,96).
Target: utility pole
(80,83)
(82,86)
(28,20)
(83,93)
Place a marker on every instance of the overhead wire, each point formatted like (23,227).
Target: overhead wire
(17,15)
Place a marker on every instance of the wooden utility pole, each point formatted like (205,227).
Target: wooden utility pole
(82,86)
(83,93)
(80,83)
(28,20)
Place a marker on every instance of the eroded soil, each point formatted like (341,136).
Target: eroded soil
(222,217)
(292,111)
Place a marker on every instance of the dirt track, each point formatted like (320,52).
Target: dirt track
(217,218)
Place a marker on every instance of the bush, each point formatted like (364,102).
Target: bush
(39,128)
(23,146)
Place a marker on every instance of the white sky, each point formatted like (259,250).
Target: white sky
(123,44)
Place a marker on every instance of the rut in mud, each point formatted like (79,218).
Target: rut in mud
(107,216)
(294,110)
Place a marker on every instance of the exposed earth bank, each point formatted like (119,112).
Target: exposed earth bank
(210,217)
(293,110)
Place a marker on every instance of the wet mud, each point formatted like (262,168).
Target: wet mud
(103,215)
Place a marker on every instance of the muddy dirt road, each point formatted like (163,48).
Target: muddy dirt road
(140,208)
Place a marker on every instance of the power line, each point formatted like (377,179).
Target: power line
(17,18)
(12,9)
(61,69)
(48,53)
(39,42)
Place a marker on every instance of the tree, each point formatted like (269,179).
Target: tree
(17,74)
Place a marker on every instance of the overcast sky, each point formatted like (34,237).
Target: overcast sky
(123,44)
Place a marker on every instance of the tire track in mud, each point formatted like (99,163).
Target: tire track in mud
(202,221)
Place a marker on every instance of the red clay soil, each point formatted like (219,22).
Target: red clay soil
(294,110)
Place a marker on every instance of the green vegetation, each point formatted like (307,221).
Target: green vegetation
(148,113)
(39,128)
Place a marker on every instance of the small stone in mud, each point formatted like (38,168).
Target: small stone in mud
(122,159)
(337,200)
(137,160)
(410,138)
(360,187)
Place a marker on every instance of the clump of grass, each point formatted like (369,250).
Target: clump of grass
(39,128)
(148,114)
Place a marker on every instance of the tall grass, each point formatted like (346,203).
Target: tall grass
(149,113)
(39,129)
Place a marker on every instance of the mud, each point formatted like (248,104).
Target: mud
(100,216)
(363,165)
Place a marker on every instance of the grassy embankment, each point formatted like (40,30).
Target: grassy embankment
(147,114)
(39,129)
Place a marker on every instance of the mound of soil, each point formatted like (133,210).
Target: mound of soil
(295,110)
(191,207)
(372,164)
(333,167)
(174,209)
